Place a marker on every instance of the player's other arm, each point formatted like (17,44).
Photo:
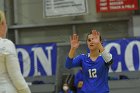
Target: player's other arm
(13,69)
(106,55)
(74,42)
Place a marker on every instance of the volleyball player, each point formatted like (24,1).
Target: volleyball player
(95,64)
(11,79)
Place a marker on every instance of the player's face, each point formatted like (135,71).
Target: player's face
(3,28)
(90,42)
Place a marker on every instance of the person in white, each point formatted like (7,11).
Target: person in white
(11,79)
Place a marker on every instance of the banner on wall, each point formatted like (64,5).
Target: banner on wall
(55,8)
(40,59)
(116,5)
(126,54)
(37,59)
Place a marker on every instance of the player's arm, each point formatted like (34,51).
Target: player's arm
(71,61)
(74,62)
(74,41)
(13,69)
(106,55)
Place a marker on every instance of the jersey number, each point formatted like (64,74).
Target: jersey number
(92,73)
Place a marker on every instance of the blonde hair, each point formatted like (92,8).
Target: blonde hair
(2,16)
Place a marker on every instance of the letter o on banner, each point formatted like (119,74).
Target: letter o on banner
(129,55)
(26,63)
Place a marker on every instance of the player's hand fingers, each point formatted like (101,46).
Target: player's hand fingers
(94,32)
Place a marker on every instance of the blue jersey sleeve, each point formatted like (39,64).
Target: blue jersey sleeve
(73,62)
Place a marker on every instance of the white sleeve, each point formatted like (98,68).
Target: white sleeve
(106,56)
(13,69)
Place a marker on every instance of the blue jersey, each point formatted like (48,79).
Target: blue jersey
(78,77)
(95,73)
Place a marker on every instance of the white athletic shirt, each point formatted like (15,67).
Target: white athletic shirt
(11,79)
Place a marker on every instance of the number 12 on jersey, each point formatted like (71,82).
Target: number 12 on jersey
(92,73)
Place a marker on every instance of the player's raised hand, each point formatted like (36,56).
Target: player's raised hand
(96,36)
(74,41)
(97,40)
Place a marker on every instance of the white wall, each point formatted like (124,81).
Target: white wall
(31,12)
(2,5)
(136,26)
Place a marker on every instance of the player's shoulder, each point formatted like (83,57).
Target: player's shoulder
(83,55)
(7,46)
(6,41)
